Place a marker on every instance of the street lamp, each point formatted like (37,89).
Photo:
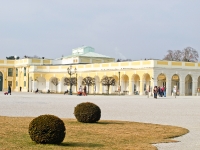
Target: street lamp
(76,82)
(70,72)
(119,88)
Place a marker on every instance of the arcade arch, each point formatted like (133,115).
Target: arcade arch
(146,83)
(115,88)
(161,80)
(53,87)
(188,85)
(175,81)
(124,83)
(135,84)
(41,84)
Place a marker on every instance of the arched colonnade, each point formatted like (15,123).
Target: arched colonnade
(134,84)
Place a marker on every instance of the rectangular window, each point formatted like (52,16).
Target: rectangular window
(24,83)
(16,72)
(10,72)
(16,83)
(9,83)
(24,71)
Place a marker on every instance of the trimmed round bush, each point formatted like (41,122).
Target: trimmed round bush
(47,129)
(87,112)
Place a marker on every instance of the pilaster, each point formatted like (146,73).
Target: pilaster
(131,87)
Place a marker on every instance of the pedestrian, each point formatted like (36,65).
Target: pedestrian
(158,90)
(66,92)
(174,91)
(155,91)
(161,91)
(9,89)
(80,91)
(37,91)
(164,91)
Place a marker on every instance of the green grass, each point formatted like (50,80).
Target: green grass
(79,136)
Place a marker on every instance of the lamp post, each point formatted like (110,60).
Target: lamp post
(70,72)
(76,82)
(119,88)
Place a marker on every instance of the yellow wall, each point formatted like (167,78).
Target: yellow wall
(46,61)
(176,63)
(162,62)
(189,64)
(135,63)
(35,60)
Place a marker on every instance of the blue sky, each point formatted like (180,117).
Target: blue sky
(130,29)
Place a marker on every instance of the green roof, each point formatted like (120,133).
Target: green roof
(89,54)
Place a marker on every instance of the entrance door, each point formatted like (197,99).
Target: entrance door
(1,81)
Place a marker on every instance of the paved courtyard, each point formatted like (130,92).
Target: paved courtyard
(182,111)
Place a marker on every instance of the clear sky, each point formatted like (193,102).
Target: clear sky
(127,29)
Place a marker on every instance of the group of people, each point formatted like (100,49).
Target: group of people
(159,91)
(82,91)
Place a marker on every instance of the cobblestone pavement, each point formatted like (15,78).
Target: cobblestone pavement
(182,111)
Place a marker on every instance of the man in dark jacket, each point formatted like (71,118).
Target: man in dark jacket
(9,89)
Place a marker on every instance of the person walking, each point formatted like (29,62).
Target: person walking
(155,92)
(9,89)
(80,91)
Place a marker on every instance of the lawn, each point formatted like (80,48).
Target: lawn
(79,136)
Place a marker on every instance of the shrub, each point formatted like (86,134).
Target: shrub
(47,129)
(87,112)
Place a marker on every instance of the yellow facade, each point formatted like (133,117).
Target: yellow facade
(131,76)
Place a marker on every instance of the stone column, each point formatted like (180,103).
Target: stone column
(47,86)
(34,86)
(100,88)
(59,86)
(194,88)
(182,87)
(141,87)
(130,87)
(168,87)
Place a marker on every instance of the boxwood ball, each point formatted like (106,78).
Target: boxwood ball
(87,112)
(47,129)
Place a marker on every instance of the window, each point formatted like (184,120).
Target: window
(9,83)
(10,72)
(16,83)
(24,83)
(24,71)
(16,72)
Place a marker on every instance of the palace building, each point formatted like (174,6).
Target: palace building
(134,77)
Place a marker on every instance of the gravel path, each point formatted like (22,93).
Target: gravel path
(182,111)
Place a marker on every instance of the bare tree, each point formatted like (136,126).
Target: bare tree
(55,82)
(89,81)
(177,55)
(169,56)
(108,81)
(190,54)
(73,81)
